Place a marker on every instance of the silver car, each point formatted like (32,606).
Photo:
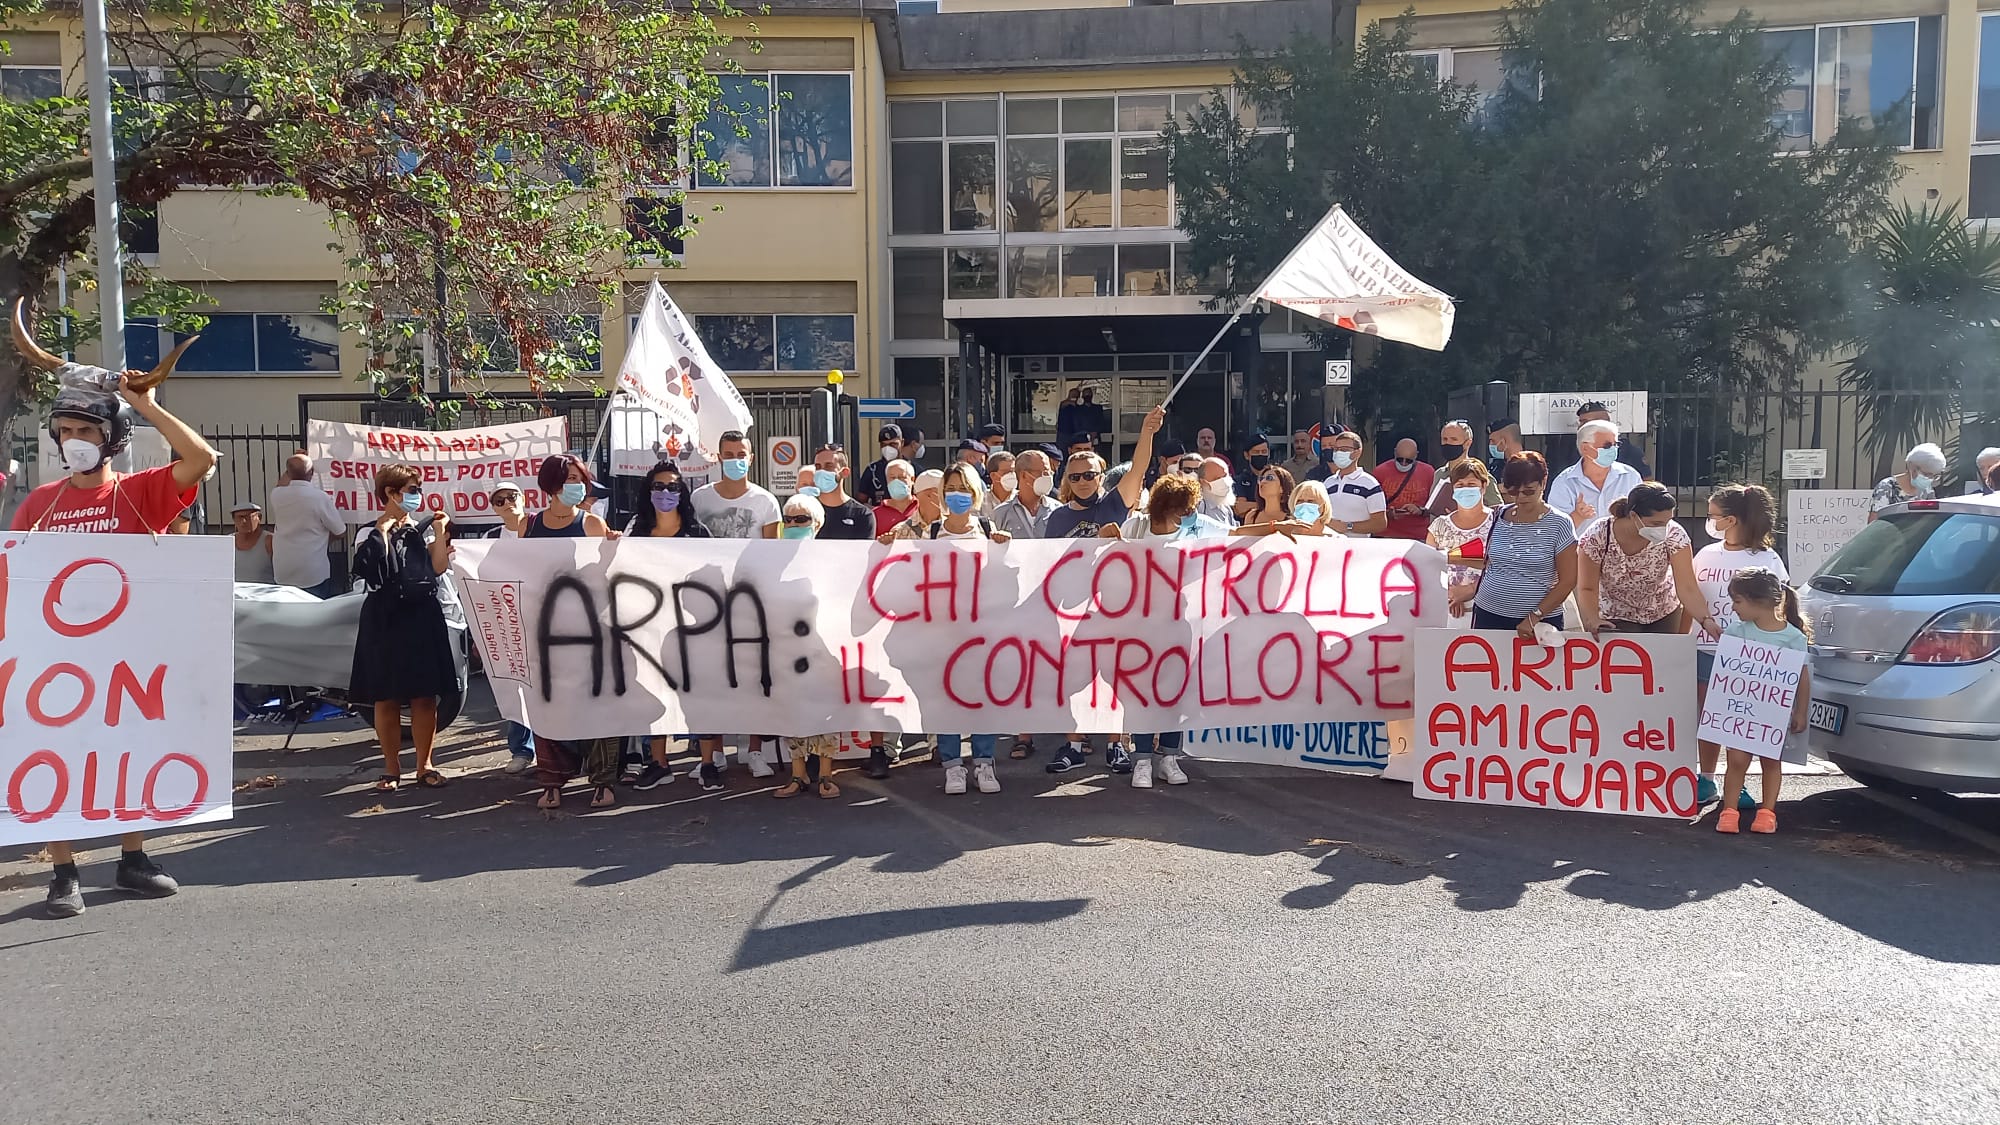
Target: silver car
(1906,622)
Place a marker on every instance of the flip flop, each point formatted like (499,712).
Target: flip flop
(1023,748)
(791,788)
(828,790)
(604,797)
(431,779)
(551,798)
(388,783)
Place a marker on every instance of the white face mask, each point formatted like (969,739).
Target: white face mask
(81,456)
(1217,491)
(1655,534)
(1007,482)
(1044,485)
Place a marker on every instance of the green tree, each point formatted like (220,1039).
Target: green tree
(1617,216)
(1926,343)
(496,140)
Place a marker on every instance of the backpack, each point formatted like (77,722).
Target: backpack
(384,565)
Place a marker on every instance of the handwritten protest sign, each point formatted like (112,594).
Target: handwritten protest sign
(1598,724)
(459,467)
(113,699)
(1818,522)
(1750,696)
(584,638)
(1363,746)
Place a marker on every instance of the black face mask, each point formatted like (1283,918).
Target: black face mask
(1259,461)
(1453,452)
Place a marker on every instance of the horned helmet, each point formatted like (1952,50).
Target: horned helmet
(90,393)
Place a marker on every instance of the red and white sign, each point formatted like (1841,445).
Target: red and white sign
(1597,724)
(1337,274)
(114,702)
(1751,693)
(782,455)
(460,467)
(660,636)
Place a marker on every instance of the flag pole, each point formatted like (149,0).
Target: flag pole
(603,427)
(1245,306)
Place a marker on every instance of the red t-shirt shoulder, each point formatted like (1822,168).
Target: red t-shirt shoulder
(128,504)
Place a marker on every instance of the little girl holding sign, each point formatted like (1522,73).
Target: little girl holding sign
(1767,612)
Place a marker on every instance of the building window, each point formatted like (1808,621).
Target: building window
(916,7)
(260,343)
(1982,197)
(30,83)
(754,343)
(655,224)
(918,293)
(498,353)
(1880,75)
(781,130)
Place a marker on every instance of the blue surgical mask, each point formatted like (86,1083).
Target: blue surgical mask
(573,493)
(1922,483)
(806,490)
(899,489)
(736,468)
(958,503)
(413,502)
(826,481)
(1190,523)
(1493,451)
(795,532)
(1307,512)
(1607,457)
(1342,459)
(1467,497)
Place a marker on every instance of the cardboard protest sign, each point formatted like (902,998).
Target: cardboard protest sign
(1750,696)
(583,637)
(114,683)
(460,467)
(1363,746)
(1597,724)
(1818,522)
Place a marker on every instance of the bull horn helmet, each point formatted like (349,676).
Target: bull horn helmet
(35,356)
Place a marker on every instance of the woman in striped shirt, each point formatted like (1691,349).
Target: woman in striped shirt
(1530,564)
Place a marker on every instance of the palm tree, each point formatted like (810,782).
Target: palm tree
(1926,346)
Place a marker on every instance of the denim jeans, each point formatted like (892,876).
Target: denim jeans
(950,753)
(1169,743)
(520,740)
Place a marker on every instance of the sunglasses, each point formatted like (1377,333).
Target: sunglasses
(412,489)
(798,521)
(661,486)
(1267,480)
(1077,478)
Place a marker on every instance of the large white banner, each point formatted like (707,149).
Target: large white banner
(1818,522)
(590,637)
(459,467)
(1337,274)
(1599,724)
(1555,413)
(114,684)
(668,371)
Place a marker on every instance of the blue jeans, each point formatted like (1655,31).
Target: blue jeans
(520,741)
(948,748)
(1169,743)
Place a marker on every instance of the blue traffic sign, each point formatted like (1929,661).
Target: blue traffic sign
(887,408)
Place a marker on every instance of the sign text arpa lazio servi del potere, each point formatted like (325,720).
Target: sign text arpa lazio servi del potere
(114,684)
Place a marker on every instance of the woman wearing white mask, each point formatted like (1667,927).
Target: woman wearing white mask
(1455,534)
(566,480)
(1918,480)
(402,651)
(1635,573)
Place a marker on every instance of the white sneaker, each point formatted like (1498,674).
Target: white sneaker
(1170,768)
(954,779)
(1142,771)
(982,776)
(518,764)
(759,761)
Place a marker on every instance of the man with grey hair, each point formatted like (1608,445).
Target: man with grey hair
(1025,515)
(1218,492)
(1922,467)
(305,523)
(1986,461)
(1586,489)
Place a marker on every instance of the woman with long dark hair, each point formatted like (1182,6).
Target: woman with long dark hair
(1636,573)
(668,514)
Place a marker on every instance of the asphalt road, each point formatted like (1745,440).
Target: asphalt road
(1261,946)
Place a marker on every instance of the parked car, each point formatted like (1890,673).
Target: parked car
(1906,624)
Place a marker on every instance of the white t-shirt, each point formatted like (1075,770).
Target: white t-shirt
(1714,566)
(1354,497)
(745,517)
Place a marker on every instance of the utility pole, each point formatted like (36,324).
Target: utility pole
(104,184)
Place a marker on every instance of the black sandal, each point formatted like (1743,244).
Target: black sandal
(388,783)
(791,788)
(1023,748)
(604,798)
(551,797)
(431,779)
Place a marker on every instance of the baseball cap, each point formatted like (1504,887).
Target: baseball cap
(890,431)
(245,506)
(929,479)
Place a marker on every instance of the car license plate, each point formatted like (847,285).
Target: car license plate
(1829,717)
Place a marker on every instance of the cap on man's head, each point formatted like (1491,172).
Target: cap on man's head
(890,431)
(1052,451)
(991,430)
(1499,424)
(508,486)
(1593,407)
(967,445)
(245,506)
(929,480)
(1172,449)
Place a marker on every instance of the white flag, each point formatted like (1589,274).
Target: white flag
(1338,274)
(668,371)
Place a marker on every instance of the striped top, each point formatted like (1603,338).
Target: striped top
(1521,563)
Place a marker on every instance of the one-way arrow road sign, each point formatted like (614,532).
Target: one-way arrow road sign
(887,408)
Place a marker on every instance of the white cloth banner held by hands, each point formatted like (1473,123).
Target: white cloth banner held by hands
(459,467)
(668,370)
(1750,697)
(1338,274)
(589,637)
(114,685)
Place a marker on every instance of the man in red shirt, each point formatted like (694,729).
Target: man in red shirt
(89,430)
(1406,487)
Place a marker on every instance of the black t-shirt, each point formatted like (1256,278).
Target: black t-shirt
(873,487)
(851,520)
